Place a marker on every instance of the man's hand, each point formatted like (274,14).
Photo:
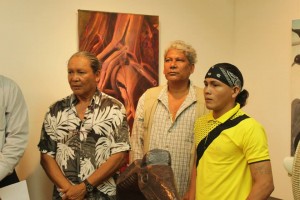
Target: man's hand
(74,192)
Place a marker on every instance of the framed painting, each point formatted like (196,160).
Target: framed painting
(127,47)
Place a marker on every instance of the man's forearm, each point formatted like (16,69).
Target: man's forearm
(53,171)
(107,169)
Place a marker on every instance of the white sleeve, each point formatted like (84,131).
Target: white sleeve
(13,127)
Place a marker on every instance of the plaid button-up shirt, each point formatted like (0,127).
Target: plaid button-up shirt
(175,136)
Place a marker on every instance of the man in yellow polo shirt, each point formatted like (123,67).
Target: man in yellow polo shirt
(233,160)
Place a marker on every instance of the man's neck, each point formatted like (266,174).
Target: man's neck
(178,88)
(84,99)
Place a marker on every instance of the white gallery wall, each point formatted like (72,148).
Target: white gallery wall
(262,47)
(38,37)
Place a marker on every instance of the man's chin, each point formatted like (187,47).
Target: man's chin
(77,92)
(209,107)
(173,78)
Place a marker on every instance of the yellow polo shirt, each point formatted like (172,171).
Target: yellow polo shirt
(223,171)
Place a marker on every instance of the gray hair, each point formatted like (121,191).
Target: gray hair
(187,50)
(94,62)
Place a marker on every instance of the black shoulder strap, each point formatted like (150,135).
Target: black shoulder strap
(205,142)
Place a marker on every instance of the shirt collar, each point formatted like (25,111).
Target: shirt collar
(96,98)
(191,95)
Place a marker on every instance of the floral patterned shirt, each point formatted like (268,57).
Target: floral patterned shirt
(81,146)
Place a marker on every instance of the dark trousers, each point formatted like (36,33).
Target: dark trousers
(10,179)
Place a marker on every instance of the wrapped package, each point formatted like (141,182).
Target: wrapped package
(150,178)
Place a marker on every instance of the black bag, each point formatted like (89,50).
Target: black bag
(213,134)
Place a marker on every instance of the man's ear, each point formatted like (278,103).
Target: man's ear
(236,90)
(192,68)
(97,76)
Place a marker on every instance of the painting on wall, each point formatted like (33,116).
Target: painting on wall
(295,84)
(127,46)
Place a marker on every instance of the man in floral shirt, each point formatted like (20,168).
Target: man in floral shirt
(85,136)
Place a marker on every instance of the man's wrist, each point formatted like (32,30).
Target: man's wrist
(88,187)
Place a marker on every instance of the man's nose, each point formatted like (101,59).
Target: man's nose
(75,77)
(173,66)
(207,90)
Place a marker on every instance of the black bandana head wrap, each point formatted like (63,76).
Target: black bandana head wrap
(226,73)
